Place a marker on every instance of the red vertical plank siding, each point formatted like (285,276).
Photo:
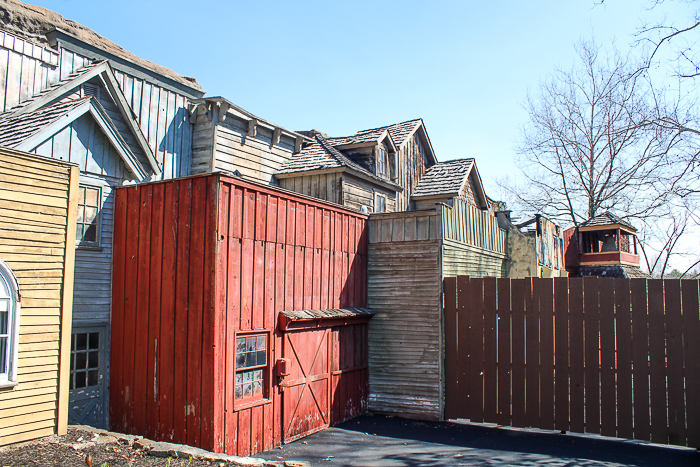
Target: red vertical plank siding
(518,351)
(260,217)
(459,329)
(116,388)
(657,363)
(691,349)
(289,278)
(247,279)
(576,380)
(181,323)
(677,433)
(258,308)
(142,307)
(640,358)
(546,353)
(532,357)
(608,423)
(308,276)
(316,277)
(167,322)
(298,277)
(223,357)
(156,256)
(130,304)
(623,337)
(269,284)
(490,352)
(504,352)
(476,350)
(561,353)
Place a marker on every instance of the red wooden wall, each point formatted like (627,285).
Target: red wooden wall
(197,260)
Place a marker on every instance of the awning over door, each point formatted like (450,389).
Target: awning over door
(323,318)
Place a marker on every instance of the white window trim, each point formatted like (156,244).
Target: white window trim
(9,379)
(376,197)
(98,244)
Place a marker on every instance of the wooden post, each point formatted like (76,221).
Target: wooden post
(618,239)
(67,303)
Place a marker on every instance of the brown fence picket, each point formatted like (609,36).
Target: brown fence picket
(504,363)
(532,357)
(591,364)
(452,353)
(606,297)
(623,343)
(576,403)
(640,358)
(657,366)
(691,343)
(561,353)
(677,433)
(518,351)
(476,349)
(545,292)
(463,337)
(490,352)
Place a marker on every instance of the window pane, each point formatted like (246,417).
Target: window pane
(79,232)
(92,378)
(239,391)
(4,321)
(247,376)
(3,354)
(251,344)
(72,361)
(261,357)
(80,379)
(239,378)
(90,233)
(81,195)
(70,382)
(80,341)
(261,342)
(90,215)
(94,341)
(258,375)
(240,360)
(240,345)
(81,214)
(247,389)
(80,361)
(91,197)
(93,360)
(257,388)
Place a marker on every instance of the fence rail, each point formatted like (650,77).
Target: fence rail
(618,357)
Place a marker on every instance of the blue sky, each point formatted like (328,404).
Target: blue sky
(462,66)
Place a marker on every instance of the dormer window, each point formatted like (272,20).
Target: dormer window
(382,162)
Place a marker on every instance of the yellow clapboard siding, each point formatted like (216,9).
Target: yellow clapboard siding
(37,281)
(30,198)
(30,225)
(33,377)
(29,435)
(31,180)
(26,409)
(39,273)
(21,186)
(53,239)
(17,266)
(31,369)
(40,303)
(39,320)
(29,330)
(29,422)
(30,400)
(53,168)
(6,248)
(40,311)
(24,390)
(37,338)
(46,293)
(37,361)
(47,211)
(53,353)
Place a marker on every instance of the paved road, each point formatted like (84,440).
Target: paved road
(387,441)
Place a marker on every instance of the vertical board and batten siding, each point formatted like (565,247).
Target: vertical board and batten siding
(201,259)
(473,243)
(410,168)
(327,187)
(26,69)
(405,335)
(37,213)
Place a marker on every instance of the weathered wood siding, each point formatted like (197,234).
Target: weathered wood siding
(25,70)
(327,187)
(405,335)
(411,165)
(37,213)
(473,243)
(358,193)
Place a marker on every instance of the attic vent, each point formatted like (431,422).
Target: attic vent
(91,90)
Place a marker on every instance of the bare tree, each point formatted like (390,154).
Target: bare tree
(592,142)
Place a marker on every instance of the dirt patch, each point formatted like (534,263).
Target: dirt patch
(74,448)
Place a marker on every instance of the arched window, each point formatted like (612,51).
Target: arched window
(9,324)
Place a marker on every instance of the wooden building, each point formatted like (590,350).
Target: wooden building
(39,200)
(372,171)
(605,246)
(239,314)
(409,255)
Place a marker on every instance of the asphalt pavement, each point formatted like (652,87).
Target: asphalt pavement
(375,440)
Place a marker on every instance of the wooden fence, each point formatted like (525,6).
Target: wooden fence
(466,224)
(617,357)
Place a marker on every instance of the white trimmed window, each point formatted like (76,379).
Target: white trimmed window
(87,232)
(9,325)
(379,203)
(382,162)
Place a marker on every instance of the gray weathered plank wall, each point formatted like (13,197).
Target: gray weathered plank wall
(410,168)
(405,292)
(326,186)
(358,193)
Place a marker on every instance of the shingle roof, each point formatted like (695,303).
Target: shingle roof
(324,314)
(364,137)
(16,128)
(398,131)
(444,178)
(322,155)
(605,219)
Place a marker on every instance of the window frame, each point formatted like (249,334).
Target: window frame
(382,161)
(73,371)
(9,378)
(376,198)
(97,245)
(266,397)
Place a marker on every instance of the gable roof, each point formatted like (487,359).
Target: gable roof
(605,219)
(448,179)
(321,155)
(26,131)
(373,136)
(401,132)
(104,72)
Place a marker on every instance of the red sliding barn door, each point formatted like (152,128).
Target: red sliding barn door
(306,396)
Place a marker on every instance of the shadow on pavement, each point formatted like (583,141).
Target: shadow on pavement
(379,440)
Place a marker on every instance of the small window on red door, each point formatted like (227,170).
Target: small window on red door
(251,367)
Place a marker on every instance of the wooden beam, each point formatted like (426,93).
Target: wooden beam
(297,144)
(276,133)
(67,303)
